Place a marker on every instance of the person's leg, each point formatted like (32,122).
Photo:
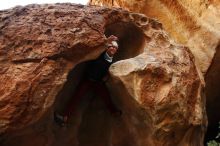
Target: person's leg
(101,90)
(83,88)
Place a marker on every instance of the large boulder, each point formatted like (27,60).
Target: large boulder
(43,52)
(195,24)
(166,94)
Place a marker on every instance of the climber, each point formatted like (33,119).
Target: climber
(95,76)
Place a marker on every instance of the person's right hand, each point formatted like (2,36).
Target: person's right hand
(112,38)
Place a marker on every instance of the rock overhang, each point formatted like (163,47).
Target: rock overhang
(42,43)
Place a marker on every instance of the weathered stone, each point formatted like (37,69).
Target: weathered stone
(192,23)
(159,90)
(164,88)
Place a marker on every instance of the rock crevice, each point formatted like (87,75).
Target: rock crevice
(44,50)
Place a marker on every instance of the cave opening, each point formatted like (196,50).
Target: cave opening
(131,41)
(94,116)
(213,97)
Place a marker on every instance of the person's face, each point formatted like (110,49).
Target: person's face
(111,51)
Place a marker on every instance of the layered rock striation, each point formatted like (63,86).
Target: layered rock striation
(167,102)
(43,52)
(195,24)
(192,23)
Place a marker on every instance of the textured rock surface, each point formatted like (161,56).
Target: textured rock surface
(167,101)
(192,23)
(41,44)
(195,24)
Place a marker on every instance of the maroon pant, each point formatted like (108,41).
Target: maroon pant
(85,86)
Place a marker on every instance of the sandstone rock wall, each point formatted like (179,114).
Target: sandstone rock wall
(43,52)
(192,23)
(195,23)
(156,85)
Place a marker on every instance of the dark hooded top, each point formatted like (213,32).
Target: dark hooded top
(97,69)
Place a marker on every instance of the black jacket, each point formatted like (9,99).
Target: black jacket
(97,68)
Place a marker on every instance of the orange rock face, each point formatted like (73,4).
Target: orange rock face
(43,52)
(195,24)
(192,23)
